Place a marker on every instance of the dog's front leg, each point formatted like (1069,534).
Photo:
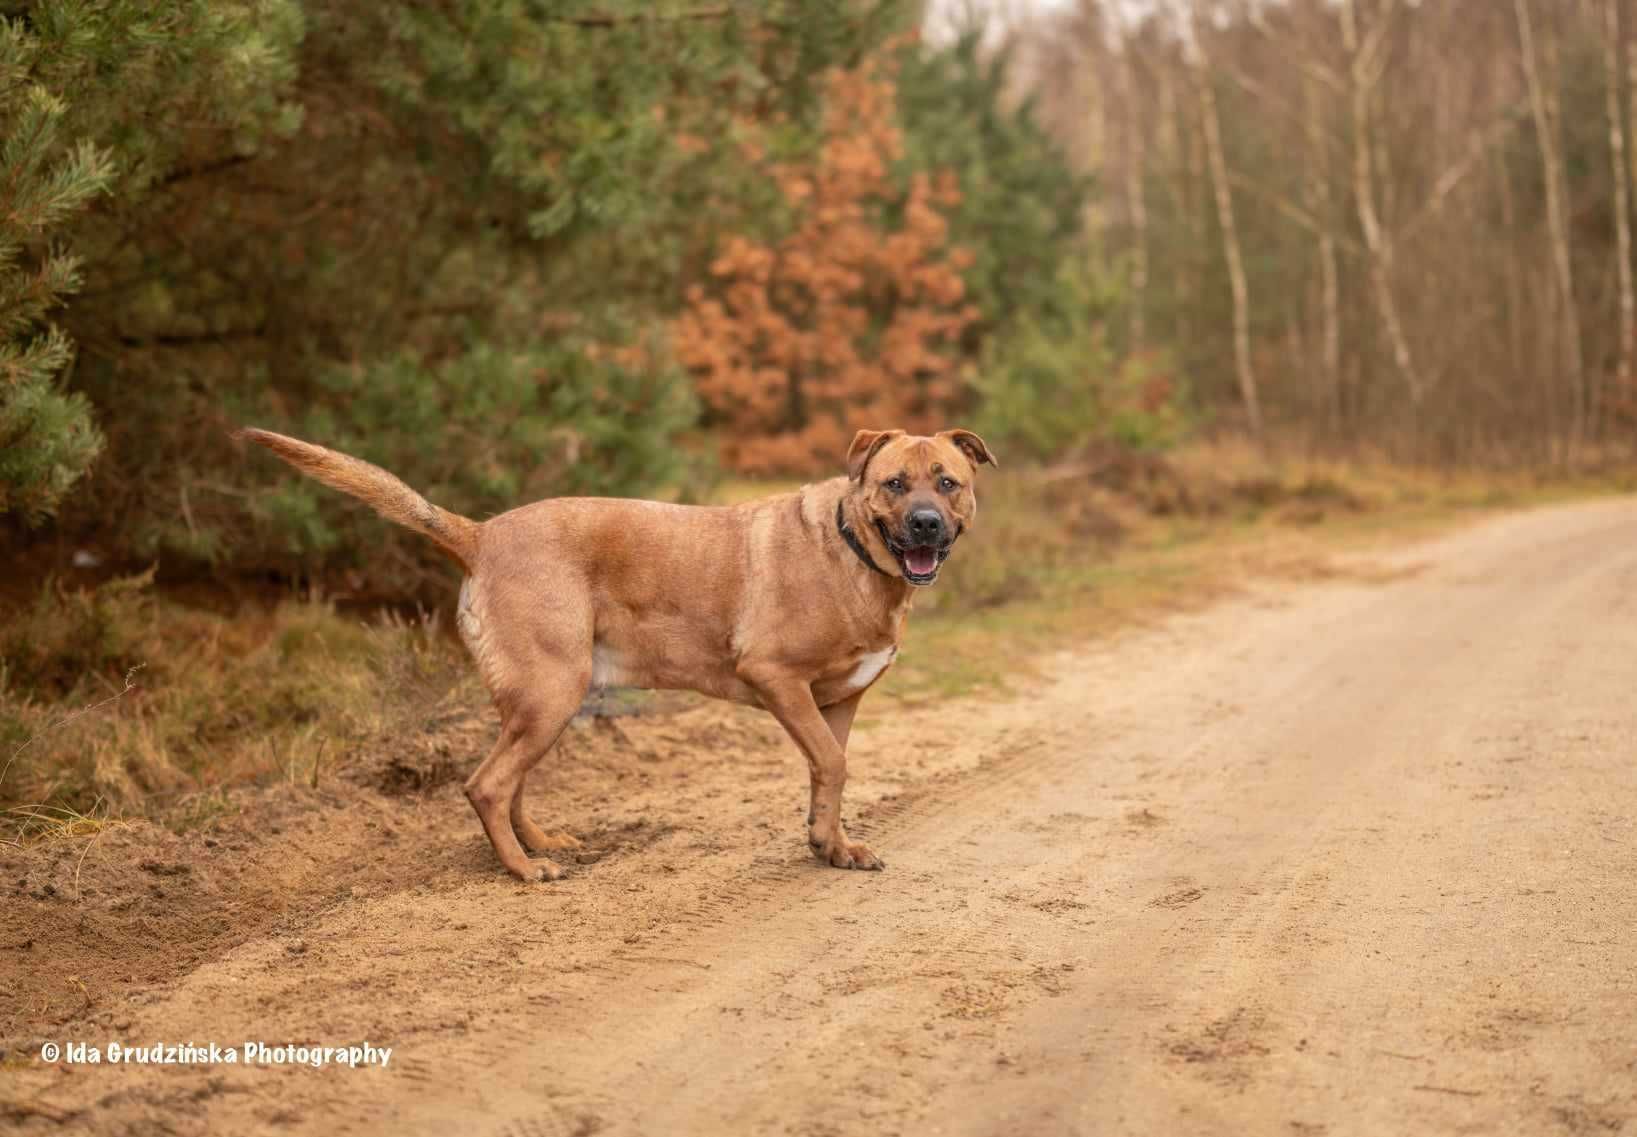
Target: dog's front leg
(839,718)
(820,736)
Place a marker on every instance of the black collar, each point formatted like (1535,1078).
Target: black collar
(855,544)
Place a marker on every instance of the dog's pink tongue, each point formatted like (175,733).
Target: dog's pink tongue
(921,561)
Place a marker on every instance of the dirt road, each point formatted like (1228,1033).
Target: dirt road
(1354,857)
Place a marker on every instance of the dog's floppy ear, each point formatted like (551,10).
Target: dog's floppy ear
(865,444)
(970,445)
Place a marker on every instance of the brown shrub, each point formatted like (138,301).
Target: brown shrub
(852,319)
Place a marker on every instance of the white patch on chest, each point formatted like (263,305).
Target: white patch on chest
(869,668)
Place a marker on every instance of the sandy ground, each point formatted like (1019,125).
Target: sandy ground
(1349,857)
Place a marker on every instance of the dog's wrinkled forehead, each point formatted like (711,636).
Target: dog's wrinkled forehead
(954,452)
(922,458)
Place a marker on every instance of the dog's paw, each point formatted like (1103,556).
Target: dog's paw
(541,871)
(841,853)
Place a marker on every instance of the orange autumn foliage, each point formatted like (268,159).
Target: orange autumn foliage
(851,320)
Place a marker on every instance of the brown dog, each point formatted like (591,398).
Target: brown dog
(794,603)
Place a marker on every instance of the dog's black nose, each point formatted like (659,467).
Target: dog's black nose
(925,527)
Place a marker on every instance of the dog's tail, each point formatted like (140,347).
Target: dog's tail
(376,488)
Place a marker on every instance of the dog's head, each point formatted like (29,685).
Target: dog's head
(913,496)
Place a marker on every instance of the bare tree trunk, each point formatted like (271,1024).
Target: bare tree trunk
(1365,70)
(1192,194)
(1628,382)
(1170,168)
(1230,237)
(1096,128)
(1318,204)
(1622,191)
(1136,202)
(1631,95)
(1514,283)
(1557,224)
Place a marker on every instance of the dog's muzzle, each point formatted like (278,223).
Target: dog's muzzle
(919,558)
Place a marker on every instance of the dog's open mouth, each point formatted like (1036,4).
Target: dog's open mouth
(919,563)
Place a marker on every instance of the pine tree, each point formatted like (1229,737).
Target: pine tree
(92,95)
(47,438)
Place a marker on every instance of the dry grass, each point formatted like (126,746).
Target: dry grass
(116,698)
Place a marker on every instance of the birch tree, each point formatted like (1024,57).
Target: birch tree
(1318,204)
(1367,58)
(1557,223)
(1135,195)
(1622,194)
(1211,125)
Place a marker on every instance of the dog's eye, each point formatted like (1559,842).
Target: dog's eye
(896,485)
(948,485)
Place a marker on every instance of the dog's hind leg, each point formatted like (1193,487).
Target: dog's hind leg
(534,838)
(531,724)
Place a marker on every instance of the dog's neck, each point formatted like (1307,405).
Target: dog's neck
(853,543)
(871,559)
